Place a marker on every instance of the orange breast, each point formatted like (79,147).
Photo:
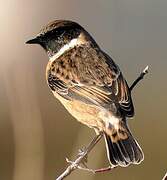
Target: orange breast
(86,114)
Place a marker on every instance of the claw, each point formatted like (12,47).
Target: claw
(80,153)
(86,169)
(69,161)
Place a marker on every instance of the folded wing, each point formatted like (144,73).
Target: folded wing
(91,77)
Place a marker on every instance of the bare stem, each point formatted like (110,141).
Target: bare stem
(80,159)
(74,165)
(139,78)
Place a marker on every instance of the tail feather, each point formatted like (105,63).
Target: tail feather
(122,148)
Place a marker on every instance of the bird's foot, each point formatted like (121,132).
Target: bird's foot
(83,153)
(105,169)
(83,165)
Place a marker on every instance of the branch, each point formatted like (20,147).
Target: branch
(74,165)
(82,156)
(140,77)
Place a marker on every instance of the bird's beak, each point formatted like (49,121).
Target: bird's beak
(33,41)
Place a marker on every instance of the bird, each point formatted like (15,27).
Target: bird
(91,86)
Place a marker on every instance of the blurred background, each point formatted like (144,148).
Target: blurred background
(36,133)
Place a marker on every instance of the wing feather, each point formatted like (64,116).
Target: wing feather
(94,79)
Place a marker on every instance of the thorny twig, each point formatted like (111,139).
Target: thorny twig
(83,155)
(140,77)
(75,165)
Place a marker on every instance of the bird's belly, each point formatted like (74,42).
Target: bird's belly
(84,113)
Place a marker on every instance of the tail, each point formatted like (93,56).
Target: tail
(122,148)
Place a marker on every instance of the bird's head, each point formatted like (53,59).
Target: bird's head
(59,33)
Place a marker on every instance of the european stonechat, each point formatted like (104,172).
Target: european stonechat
(91,87)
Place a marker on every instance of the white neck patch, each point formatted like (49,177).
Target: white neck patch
(70,45)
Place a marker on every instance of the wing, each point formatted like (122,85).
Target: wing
(91,76)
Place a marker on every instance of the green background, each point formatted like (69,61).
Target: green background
(36,133)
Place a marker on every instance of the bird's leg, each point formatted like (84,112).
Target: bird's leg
(83,153)
(105,169)
(85,158)
(100,170)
